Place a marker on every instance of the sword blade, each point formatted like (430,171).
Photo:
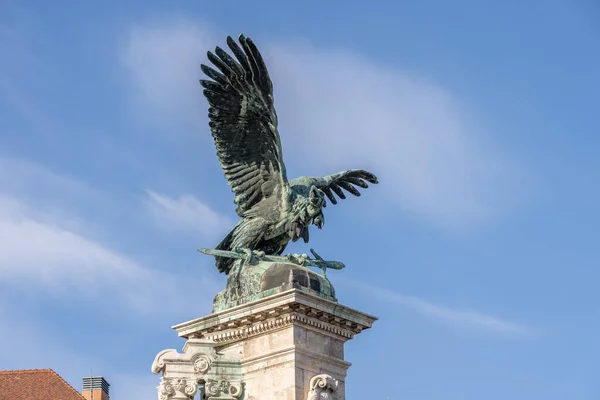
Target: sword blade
(241,256)
(223,253)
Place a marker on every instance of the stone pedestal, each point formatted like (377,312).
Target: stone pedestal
(287,345)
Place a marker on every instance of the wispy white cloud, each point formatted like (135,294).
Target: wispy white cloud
(23,178)
(45,255)
(166,64)
(188,213)
(460,318)
(47,252)
(338,110)
(51,252)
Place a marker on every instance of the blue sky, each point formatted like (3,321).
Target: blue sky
(477,251)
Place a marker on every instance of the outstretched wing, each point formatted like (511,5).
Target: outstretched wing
(243,122)
(346,180)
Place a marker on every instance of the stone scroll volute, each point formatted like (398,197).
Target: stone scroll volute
(177,388)
(223,389)
(323,387)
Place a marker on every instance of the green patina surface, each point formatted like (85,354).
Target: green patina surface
(273,210)
(249,282)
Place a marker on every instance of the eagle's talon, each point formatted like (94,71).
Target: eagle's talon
(299,259)
(248,253)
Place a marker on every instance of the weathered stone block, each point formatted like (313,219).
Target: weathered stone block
(289,345)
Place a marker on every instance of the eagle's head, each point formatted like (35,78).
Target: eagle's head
(319,220)
(316,203)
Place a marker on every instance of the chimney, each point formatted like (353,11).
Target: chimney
(95,388)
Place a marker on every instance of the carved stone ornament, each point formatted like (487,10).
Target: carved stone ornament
(222,389)
(323,387)
(202,364)
(176,388)
(200,361)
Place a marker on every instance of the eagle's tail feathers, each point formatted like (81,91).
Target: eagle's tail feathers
(247,234)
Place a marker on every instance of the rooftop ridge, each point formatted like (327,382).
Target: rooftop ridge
(41,370)
(25,371)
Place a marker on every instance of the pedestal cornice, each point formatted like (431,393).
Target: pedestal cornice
(276,312)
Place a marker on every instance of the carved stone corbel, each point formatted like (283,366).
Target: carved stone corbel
(222,390)
(198,358)
(177,388)
(323,387)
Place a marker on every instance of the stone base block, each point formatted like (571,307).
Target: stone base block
(286,346)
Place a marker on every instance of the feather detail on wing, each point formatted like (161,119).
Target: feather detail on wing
(243,123)
(333,184)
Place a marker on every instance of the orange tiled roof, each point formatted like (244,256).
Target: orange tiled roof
(35,384)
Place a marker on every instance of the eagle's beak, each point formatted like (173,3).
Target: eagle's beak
(319,220)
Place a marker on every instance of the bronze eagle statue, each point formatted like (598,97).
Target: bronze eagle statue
(243,123)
